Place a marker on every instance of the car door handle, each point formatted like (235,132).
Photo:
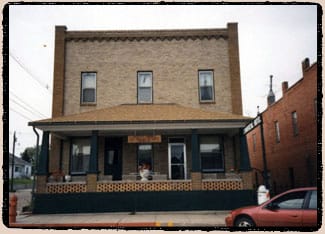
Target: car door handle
(294,216)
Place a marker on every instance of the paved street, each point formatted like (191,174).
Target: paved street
(143,219)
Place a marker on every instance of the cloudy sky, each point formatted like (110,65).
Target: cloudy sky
(273,39)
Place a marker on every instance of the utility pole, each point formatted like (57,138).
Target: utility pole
(265,170)
(13,163)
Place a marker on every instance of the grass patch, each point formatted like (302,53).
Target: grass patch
(21,181)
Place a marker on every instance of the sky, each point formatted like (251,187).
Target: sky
(273,40)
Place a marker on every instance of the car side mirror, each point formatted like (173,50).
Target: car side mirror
(272,206)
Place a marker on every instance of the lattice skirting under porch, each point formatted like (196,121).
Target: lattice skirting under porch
(144,186)
(222,185)
(66,188)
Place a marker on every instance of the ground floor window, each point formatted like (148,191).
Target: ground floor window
(211,152)
(80,154)
(145,156)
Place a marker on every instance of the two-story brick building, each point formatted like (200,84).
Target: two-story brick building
(290,135)
(167,100)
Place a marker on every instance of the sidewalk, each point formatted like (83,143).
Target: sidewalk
(116,220)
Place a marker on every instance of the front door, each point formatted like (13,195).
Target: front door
(113,158)
(177,161)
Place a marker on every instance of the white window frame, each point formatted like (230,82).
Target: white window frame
(201,72)
(169,160)
(82,87)
(139,86)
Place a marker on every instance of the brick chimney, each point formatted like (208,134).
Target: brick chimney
(305,65)
(284,87)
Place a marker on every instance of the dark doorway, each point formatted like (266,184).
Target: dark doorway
(113,157)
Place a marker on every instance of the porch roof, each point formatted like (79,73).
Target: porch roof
(135,114)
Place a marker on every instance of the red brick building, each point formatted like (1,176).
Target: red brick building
(290,135)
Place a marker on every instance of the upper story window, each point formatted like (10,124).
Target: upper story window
(88,87)
(206,86)
(294,123)
(144,87)
(277,131)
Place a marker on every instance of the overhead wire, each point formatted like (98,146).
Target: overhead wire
(47,87)
(25,108)
(29,106)
(22,115)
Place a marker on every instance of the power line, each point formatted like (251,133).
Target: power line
(30,111)
(24,116)
(29,72)
(29,106)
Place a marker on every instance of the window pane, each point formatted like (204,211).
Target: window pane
(144,94)
(313,200)
(145,80)
(292,200)
(88,95)
(206,85)
(211,161)
(145,155)
(178,172)
(295,123)
(277,131)
(211,153)
(206,148)
(206,93)
(80,155)
(144,87)
(206,78)
(88,80)
(88,87)
(177,154)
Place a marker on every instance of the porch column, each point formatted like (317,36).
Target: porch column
(93,165)
(44,156)
(196,174)
(42,165)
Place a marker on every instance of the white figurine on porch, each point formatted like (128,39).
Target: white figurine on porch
(144,171)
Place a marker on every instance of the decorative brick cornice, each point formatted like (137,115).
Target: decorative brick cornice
(146,35)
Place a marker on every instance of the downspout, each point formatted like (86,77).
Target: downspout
(35,166)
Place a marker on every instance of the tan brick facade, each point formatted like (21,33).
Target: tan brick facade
(174,65)
(175,58)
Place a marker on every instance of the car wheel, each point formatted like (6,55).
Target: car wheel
(244,222)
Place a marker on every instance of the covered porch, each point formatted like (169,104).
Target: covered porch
(103,152)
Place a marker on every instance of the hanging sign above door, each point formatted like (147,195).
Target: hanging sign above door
(144,139)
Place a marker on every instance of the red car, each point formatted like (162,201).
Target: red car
(296,207)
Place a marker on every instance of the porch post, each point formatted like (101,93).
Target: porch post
(196,174)
(42,164)
(196,167)
(93,165)
(44,156)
